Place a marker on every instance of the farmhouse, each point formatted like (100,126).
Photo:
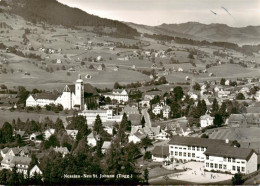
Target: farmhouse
(218,155)
(71,98)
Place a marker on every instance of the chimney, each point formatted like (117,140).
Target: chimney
(227,141)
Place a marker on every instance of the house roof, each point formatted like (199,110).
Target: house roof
(160,151)
(229,151)
(14,160)
(201,142)
(135,119)
(5,150)
(236,117)
(106,145)
(62,150)
(20,132)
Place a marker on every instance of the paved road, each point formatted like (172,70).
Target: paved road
(147,118)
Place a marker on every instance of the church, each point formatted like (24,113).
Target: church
(72,97)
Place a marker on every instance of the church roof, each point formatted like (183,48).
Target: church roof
(49,96)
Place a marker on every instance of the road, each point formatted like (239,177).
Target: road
(146,118)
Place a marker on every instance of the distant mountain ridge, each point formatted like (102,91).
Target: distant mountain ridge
(210,32)
(53,12)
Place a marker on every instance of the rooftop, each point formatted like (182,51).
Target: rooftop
(227,151)
(201,142)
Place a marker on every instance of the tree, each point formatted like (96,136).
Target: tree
(222,111)
(240,96)
(6,133)
(204,136)
(196,86)
(204,107)
(175,110)
(22,94)
(237,179)
(147,155)
(215,107)
(98,127)
(116,85)
(222,81)
(146,142)
(218,121)
(58,125)
(146,175)
(143,122)
(178,93)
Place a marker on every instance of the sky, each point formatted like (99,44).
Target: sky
(155,12)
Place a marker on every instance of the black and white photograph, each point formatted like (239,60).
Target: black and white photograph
(129,92)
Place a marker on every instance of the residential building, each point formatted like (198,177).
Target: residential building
(72,133)
(136,137)
(106,145)
(22,163)
(35,171)
(63,150)
(206,121)
(120,95)
(156,109)
(47,133)
(92,139)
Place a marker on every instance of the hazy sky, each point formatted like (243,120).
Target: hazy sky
(156,12)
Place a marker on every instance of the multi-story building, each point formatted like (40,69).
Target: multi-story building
(105,115)
(156,109)
(218,155)
(120,95)
(230,159)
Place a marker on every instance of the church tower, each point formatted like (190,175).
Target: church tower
(79,93)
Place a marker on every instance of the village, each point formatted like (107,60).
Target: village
(84,104)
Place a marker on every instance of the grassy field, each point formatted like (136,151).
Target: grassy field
(8,116)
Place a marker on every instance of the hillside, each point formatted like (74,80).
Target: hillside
(55,13)
(212,32)
(216,32)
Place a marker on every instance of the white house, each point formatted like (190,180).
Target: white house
(206,121)
(109,130)
(136,137)
(35,171)
(72,97)
(47,133)
(257,95)
(63,150)
(72,133)
(92,139)
(106,145)
(105,116)
(160,107)
(22,163)
(220,154)
(120,95)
